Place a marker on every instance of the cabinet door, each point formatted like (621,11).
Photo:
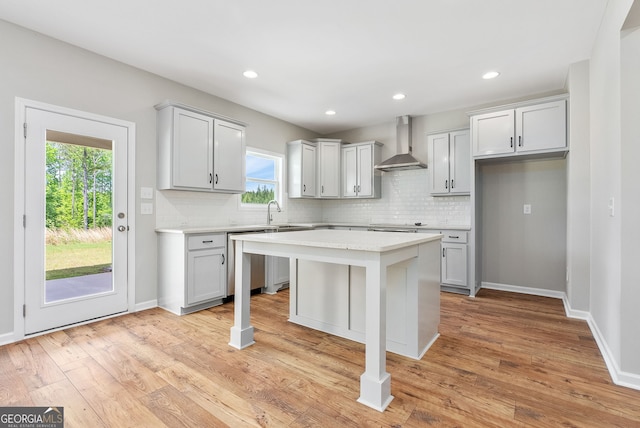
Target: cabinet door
(229,157)
(438,146)
(205,275)
(349,172)
(192,150)
(364,171)
(454,264)
(459,163)
(541,127)
(329,170)
(492,133)
(308,170)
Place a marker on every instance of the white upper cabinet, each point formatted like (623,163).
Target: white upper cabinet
(197,151)
(328,166)
(527,129)
(359,178)
(229,160)
(449,163)
(301,169)
(541,127)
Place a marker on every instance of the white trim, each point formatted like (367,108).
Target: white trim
(21,105)
(619,377)
(143,306)
(523,290)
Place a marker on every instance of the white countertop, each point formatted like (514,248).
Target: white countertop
(359,240)
(258,227)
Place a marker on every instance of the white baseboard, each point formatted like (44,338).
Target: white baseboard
(7,338)
(143,306)
(524,290)
(629,380)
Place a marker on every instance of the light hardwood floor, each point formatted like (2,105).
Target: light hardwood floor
(502,360)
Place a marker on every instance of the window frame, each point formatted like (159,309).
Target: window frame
(278,182)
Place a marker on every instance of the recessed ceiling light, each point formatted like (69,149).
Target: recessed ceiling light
(250,74)
(399,96)
(490,75)
(330,112)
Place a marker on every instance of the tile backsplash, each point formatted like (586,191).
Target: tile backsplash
(405,200)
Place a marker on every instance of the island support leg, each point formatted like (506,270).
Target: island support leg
(375,382)
(242,330)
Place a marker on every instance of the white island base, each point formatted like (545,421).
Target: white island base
(401,277)
(331,298)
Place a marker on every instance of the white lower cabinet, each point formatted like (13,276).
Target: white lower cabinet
(277,274)
(191,271)
(453,269)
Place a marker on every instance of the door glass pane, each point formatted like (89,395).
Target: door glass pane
(78,226)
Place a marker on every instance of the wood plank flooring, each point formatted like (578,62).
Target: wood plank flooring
(502,360)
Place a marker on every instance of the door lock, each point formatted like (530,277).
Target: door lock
(122,228)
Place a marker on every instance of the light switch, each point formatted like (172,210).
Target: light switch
(527,208)
(146,208)
(146,193)
(611,207)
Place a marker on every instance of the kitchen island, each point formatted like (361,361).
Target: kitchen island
(416,255)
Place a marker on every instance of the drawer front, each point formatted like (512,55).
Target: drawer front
(454,236)
(199,242)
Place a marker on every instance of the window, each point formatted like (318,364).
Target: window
(263,178)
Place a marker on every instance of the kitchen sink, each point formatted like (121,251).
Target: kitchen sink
(286,228)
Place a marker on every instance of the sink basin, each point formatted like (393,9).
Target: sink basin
(286,228)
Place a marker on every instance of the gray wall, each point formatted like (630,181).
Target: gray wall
(39,68)
(526,250)
(630,213)
(579,190)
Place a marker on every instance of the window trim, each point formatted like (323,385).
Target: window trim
(279,183)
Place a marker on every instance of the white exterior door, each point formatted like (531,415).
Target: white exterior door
(52,303)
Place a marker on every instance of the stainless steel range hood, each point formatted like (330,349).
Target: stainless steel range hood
(403,160)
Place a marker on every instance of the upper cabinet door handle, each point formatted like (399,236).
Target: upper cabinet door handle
(511,142)
(519,140)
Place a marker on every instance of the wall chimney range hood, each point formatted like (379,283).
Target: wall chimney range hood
(403,160)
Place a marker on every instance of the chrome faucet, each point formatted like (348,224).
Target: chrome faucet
(273,201)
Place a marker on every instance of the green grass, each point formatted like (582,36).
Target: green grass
(77,258)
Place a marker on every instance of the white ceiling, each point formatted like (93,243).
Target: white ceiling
(347,55)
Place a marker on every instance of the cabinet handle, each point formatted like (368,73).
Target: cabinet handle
(519,140)
(354,189)
(443,252)
(446,184)
(322,189)
(216,178)
(304,187)
(453,237)
(210,178)
(511,142)
(358,188)
(208,242)
(452,186)
(222,258)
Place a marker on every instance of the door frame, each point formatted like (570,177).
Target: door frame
(21,105)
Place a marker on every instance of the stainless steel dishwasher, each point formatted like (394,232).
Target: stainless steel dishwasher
(257,266)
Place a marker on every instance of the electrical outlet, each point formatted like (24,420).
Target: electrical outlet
(146,208)
(526,208)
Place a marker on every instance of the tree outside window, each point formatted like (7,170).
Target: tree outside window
(263,178)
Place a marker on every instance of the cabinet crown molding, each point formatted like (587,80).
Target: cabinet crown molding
(518,104)
(170,103)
